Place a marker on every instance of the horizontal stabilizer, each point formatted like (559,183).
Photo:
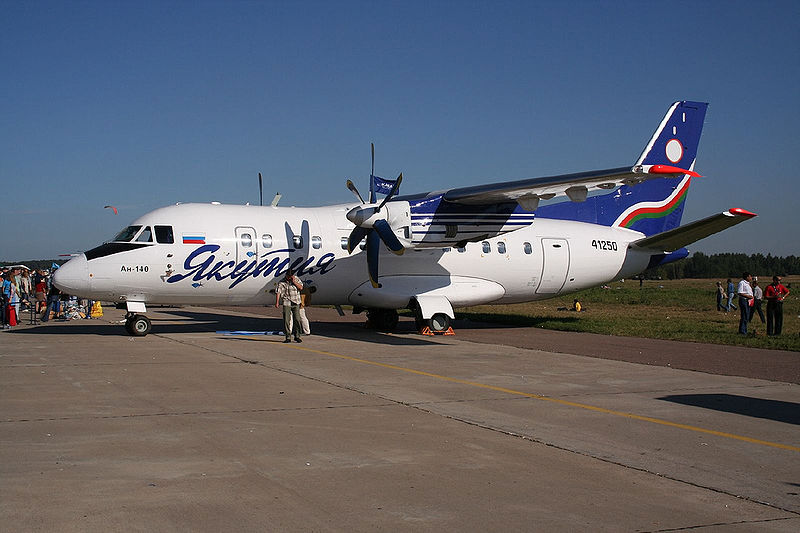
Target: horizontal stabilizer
(677,238)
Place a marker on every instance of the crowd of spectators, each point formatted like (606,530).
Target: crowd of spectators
(23,291)
(750,296)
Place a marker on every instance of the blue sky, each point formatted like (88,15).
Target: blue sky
(144,104)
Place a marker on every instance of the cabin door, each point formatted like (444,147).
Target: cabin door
(555,259)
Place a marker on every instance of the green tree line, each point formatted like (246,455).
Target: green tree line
(726,265)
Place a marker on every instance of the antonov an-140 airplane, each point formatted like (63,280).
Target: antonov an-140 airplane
(436,250)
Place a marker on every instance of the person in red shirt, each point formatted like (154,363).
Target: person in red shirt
(40,290)
(775,294)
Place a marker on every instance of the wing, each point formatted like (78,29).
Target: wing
(677,238)
(528,192)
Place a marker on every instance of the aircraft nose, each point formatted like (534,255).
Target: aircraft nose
(73,276)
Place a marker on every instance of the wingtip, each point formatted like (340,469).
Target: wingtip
(738,211)
(668,169)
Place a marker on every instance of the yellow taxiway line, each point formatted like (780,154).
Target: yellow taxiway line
(557,401)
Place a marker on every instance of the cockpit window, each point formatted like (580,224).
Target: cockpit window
(164,235)
(127,234)
(145,236)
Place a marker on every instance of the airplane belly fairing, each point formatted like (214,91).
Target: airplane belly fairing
(396,291)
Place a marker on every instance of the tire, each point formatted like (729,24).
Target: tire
(383,319)
(420,322)
(439,322)
(138,325)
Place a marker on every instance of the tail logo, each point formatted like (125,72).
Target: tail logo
(654,209)
(674,150)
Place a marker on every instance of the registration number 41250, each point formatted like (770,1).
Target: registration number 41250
(605,245)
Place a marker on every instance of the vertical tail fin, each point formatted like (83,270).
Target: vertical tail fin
(657,205)
(675,141)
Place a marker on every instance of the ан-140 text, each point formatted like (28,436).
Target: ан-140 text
(137,268)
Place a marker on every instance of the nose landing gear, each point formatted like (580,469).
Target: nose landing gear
(137,325)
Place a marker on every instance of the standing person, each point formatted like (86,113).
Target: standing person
(775,294)
(731,294)
(10,298)
(40,290)
(53,302)
(305,300)
(745,292)
(16,283)
(720,297)
(3,301)
(25,287)
(287,295)
(758,295)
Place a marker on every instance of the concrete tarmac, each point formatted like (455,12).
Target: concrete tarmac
(189,429)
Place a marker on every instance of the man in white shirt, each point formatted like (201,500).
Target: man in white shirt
(745,292)
(287,294)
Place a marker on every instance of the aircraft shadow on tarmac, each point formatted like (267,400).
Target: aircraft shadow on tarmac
(468,320)
(778,411)
(204,322)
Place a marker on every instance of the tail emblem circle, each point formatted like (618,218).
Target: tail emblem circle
(674,150)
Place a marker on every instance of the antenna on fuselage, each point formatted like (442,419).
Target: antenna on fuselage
(275,200)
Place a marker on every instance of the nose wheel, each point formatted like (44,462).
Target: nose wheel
(138,325)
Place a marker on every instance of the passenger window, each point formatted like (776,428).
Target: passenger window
(146,235)
(343,242)
(316,242)
(501,247)
(164,235)
(297,241)
(461,250)
(127,234)
(247,240)
(527,247)
(486,247)
(266,240)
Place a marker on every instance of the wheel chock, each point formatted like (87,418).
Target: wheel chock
(427,331)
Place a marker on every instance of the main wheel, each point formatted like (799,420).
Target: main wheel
(383,319)
(419,322)
(439,322)
(138,325)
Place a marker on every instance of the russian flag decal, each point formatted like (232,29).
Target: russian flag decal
(194,238)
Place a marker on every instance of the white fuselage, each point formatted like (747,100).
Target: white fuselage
(236,254)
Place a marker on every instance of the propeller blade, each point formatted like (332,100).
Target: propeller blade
(356,236)
(388,237)
(395,187)
(260,191)
(352,187)
(373,249)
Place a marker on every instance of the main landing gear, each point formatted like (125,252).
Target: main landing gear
(386,320)
(438,323)
(137,325)
(382,319)
(432,314)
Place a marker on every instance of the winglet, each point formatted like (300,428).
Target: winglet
(667,169)
(741,212)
